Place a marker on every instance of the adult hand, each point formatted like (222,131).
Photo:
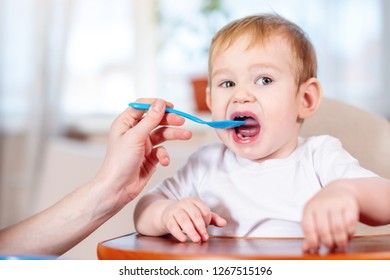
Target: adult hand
(133,150)
(131,159)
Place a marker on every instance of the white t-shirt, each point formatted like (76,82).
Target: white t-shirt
(261,199)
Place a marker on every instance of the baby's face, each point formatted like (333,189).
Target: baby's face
(258,85)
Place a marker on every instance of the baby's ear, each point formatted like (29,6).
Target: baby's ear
(310,95)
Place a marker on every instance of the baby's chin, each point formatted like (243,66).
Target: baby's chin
(251,157)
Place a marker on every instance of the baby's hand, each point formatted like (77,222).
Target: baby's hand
(330,218)
(190,217)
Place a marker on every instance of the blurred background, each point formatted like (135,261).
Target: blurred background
(67,68)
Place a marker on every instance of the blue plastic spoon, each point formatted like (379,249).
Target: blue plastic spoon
(215,124)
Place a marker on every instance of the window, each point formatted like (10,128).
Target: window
(347,36)
(99,62)
(116,51)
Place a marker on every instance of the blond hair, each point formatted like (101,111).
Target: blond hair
(262,27)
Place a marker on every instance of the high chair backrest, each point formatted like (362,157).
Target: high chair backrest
(365,135)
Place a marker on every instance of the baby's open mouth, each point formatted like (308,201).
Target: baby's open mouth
(250,129)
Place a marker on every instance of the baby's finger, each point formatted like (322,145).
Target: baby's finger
(176,231)
(204,210)
(174,228)
(323,227)
(186,224)
(338,230)
(311,241)
(198,220)
(217,220)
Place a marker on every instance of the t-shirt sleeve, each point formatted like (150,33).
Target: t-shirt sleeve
(185,181)
(333,162)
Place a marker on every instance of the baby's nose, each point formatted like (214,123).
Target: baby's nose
(243,95)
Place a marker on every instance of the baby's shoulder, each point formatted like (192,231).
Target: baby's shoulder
(321,142)
(320,148)
(210,152)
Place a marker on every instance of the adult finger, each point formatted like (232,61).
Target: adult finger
(152,100)
(163,134)
(151,120)
(125,120)
(169,118)
(161,154)
(131,116)
(172,119)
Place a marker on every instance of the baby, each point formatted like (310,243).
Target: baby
(263,179)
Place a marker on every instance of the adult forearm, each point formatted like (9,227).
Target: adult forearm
(60,227)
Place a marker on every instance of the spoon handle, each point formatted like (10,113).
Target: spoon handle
(144,106)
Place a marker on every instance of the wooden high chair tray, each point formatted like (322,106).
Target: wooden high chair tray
(139,247)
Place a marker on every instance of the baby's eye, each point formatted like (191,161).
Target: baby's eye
(228,84)
(264,81)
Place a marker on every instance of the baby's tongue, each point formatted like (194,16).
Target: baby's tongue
(250,129)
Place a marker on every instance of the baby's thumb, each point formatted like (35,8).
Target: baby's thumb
(217,220)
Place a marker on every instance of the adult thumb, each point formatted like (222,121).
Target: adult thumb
(151,119)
